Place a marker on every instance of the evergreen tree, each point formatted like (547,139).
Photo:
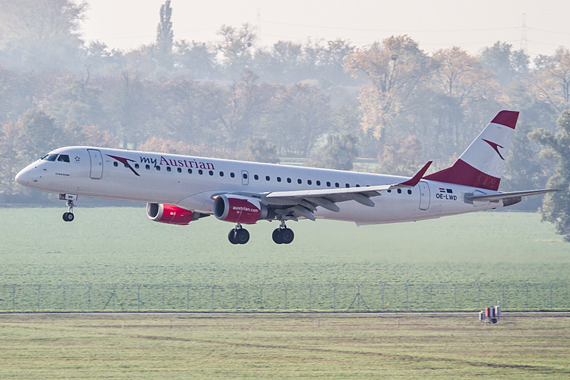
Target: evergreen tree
(338,153)
(40,35)
(165,35)
(507,64)
(556,206)
(39,134)
(260,150)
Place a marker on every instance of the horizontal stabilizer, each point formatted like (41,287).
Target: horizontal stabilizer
(512,194)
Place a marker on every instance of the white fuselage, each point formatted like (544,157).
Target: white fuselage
(193,182)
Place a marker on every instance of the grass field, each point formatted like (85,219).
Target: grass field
(443,259)
(280,346)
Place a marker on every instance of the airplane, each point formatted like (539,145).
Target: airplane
(181,189)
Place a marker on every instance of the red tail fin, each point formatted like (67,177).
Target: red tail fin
(482,164)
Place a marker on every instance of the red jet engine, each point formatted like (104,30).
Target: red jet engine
(238,209)
(169,214)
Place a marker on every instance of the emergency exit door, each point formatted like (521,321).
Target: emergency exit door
(424,195)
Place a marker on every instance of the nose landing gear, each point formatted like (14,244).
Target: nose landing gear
(68,216)
(238,235)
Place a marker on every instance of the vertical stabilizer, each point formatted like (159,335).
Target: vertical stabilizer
(482,164)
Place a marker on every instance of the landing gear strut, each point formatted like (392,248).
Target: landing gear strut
(68,216)
(238,235)
(283,235)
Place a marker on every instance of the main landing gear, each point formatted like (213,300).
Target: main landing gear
(283,235)
(68,216)
(238,235)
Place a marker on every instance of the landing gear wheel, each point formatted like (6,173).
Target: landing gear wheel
(232,237)
(277,236)
(68,217)
(242,236)
(287,235)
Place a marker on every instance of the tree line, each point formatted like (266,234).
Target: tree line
(324,103)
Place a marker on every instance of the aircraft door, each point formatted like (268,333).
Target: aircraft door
(96,163)
(424,195)
(244,177)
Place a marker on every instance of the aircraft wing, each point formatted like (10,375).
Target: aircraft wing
(302,203)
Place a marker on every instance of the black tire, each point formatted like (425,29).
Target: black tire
(277,236)
(68,217)
(232,237)
(287,235)
(242,236)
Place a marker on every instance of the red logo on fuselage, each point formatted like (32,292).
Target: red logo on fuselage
(187,163)
(125,161)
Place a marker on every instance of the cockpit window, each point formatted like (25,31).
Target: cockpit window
(51,157)
(63,158)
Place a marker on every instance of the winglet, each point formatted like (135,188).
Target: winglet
(416,178)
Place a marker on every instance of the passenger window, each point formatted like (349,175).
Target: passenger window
(232,175)
(179,170)
(318,183)
(309,182)
(389,190)
(267,178)
(337,184)
(200,172)
(328,184)
(347,185)
(168,169)
(137,166)
(256,177)
(147,167)
(63,158)
(357,185)
(278,179)
(189,171)
(157,168)
(211,172)
(288,180)
(409,191)
(115,164)
(299,181)
(399,191)
(221,174)
(244,176)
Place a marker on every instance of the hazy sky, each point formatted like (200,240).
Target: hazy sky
(435,24)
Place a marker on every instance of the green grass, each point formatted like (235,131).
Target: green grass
(439,262)
(282,346)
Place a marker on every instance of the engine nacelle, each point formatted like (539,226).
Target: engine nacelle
(170,214)
(238,209)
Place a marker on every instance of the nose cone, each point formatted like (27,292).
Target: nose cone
(22,177)
(25,177)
